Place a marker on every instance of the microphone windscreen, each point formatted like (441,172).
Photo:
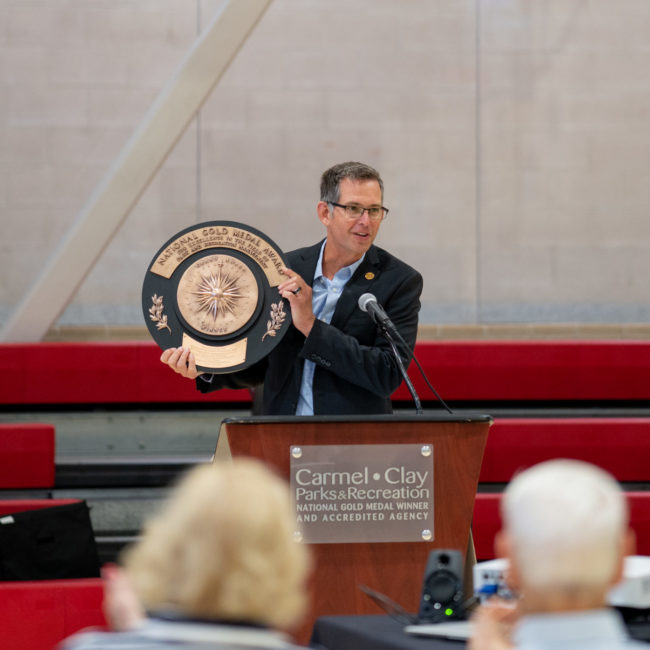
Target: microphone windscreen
(364,300)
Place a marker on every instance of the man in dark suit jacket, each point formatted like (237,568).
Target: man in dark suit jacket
(333,360)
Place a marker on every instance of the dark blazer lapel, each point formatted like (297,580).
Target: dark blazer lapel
(304,264)
(361,282)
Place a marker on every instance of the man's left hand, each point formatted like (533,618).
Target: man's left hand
(298,293)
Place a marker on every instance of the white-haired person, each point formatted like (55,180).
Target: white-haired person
(217,568)
(565,534)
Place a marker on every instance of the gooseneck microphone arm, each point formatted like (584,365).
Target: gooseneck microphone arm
(402,369)
(369,304)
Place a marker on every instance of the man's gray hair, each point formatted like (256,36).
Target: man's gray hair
(331,179)
(566,520)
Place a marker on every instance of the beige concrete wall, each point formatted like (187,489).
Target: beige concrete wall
(565,145)
(513,137)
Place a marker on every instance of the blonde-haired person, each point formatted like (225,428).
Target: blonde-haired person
(217,567)
(565,535)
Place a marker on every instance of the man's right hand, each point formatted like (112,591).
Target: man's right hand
(181,360)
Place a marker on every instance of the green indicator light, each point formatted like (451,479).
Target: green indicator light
(449,611)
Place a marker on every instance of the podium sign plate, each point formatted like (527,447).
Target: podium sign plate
(363,493)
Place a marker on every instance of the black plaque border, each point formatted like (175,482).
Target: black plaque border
(256,332)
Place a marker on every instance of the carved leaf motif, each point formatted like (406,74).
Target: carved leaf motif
(278,316)
(156,313)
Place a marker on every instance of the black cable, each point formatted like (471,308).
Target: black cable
(407,379)
(411,356)
(433,390)
(393,609)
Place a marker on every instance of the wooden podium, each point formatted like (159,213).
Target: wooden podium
(394,569)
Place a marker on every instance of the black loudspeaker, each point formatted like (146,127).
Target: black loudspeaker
(442,588)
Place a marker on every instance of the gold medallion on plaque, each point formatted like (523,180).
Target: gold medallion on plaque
(217,295)
(213,288)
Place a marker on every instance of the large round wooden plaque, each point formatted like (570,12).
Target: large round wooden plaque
(213,288)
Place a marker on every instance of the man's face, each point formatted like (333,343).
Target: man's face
(351,238)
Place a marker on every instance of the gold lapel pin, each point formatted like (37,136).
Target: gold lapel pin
(370,275)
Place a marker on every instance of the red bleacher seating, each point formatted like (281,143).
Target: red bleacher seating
(11,506)
(552,372)
(57,607)
(26,455)
(533,370)
(487,522)
(38,615)
(619,445)
(96,373)
(130,372)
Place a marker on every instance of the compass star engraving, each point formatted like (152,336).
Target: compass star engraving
(218,294)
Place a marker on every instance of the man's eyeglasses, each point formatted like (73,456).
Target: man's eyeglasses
(356,211)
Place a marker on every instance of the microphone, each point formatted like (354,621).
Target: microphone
(368,303)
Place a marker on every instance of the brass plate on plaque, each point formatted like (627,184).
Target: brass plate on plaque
(218,357)
(220,235)
(212,287)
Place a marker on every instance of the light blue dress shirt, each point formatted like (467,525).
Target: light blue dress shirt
(325,295)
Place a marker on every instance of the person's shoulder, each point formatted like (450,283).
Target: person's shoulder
(112,640)
(305,252)
(102,640)
(388,261)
